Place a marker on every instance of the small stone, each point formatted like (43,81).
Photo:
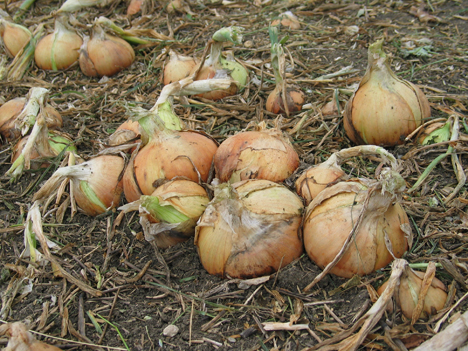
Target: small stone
(171,330)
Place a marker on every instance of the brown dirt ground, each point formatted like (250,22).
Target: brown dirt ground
(93,109)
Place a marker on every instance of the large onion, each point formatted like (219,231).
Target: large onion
(58,50)
(385,109)
(168,216)
(250,229)
(332,215)
(263,154)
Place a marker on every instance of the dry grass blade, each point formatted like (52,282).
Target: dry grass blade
(425,285)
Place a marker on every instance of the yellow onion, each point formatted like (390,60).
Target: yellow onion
(168,216)
(384,109)
(316,178)
(96,183)
(332,215)
(178,67)
(217,67)
(409,290)
(127,132)
(284,98)
(51,147)
(263,154)
(250,229)
(11,110)
(104,54)
(58,50)
(134,7)
(20,339)
(287,19)
(14,36)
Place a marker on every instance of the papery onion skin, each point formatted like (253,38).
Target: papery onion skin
(10,111)
(255,154)
(64,50)
(14,36)
(209,73)
(104,182)
(294,99)
(315,179)
(385,109)
(105,55)
(178,67)
(264,233)
(409,290)
(188,154)
(329,221)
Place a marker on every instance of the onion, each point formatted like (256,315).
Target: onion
(11,111)
(435,133)
(178,67)
(170,213)
(409,291)
(20,339)
(104,54)
(287,19)
(250,229)
(58,50)
(14,36)
(217,66)
(283,98)
(333,214)
(316,178)
(134,7)
(97,184)
(384,109)
(263,154)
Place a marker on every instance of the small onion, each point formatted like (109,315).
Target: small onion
(134,7)
(264,154)
(170,213)
(407,295)
(58,50)
(287,19)
(14,36)
(316,178)
(104,54)
(384,109)
(435,133)
(178,67)
(96,184)
(250,229)
(331,216)
(10,111)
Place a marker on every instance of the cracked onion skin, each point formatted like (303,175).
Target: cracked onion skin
(263,154)
(294,98)
(250,229)
(385,109)
(330,218)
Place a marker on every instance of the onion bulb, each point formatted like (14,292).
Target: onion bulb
(170,213)
(264,154)
(409,291)
(284,98)
(96,183)
(316,178)
(178,67)
(435,133)
(20,339)
(333,214)
(384,109)
(287,19)
(104,54)
(10,118)
(58,50)
(250,228)
(217,66)
(14,36)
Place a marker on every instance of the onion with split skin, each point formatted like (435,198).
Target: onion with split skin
(263,154)
(383,225)
(250,228)
(169,215)
(384,109)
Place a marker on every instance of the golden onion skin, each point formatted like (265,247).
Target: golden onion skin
(385,109)
(104,181)
(294,99)
(14,36)
(251,232)
(329,221)
(65,49)
(315,179)
(256,155)
(178,67)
